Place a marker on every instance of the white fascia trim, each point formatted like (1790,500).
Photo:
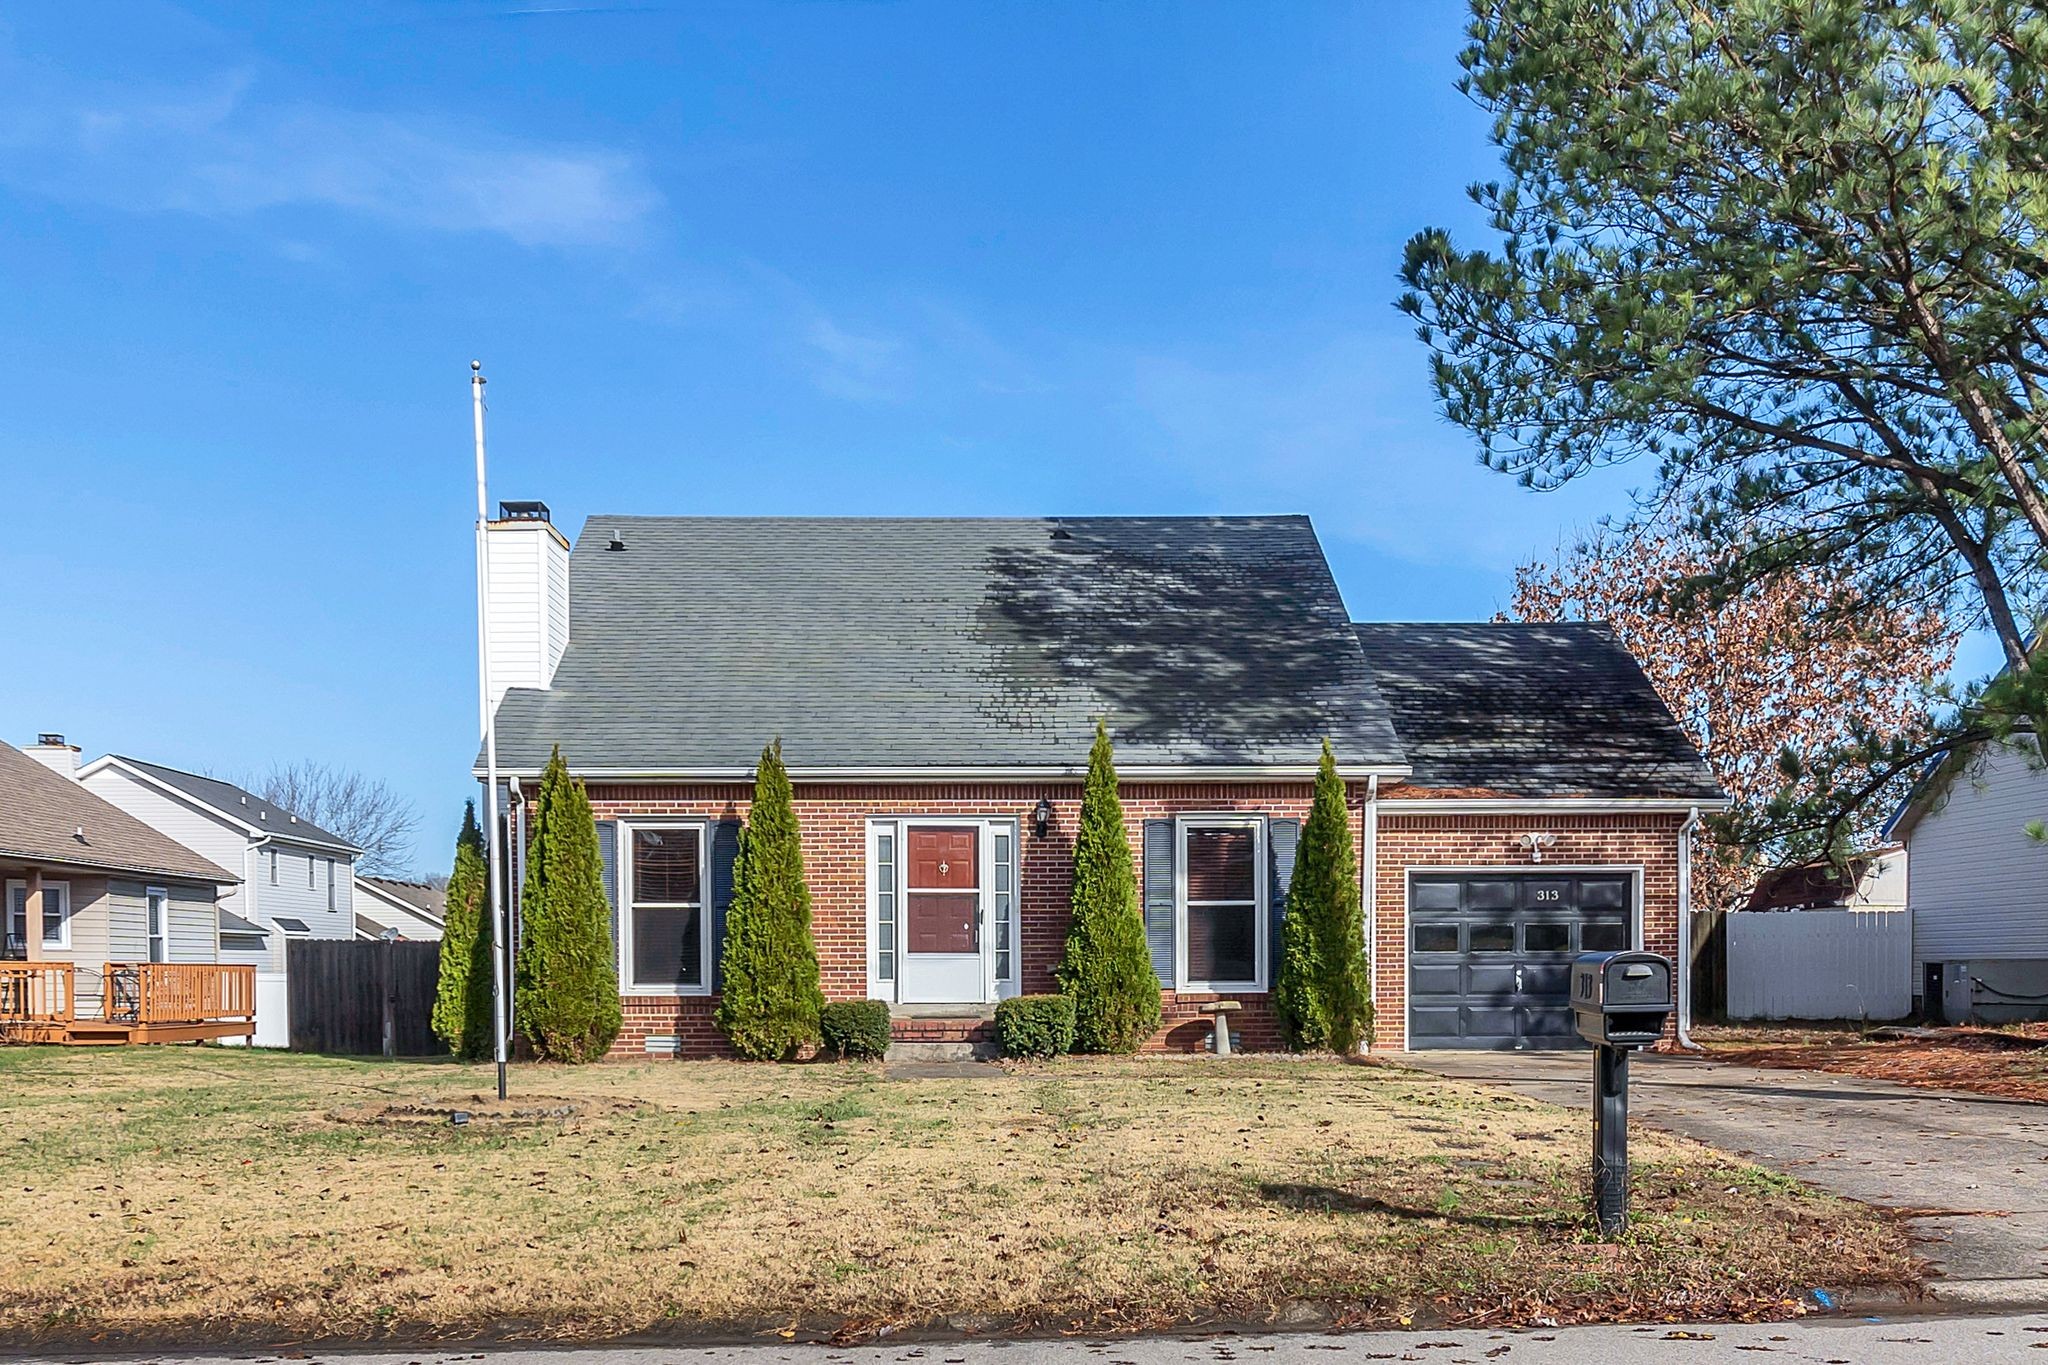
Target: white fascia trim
(1150,773)
(1562,805)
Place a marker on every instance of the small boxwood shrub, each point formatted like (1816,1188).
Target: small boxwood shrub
(1035,1025)
(855,1028)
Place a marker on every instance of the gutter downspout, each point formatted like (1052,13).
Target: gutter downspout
(1371,850)
(1685,832)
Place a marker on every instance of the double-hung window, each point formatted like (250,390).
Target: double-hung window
(56,925)
(665,934)
(330,883)
(309,871)
(270,854)
(1222,903)
(156,903)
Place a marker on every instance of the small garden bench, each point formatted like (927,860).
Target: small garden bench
(1220,1011)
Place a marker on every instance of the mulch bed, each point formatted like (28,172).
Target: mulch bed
(2010,1062)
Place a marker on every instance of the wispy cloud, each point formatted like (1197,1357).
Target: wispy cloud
(862,366)
(218,148)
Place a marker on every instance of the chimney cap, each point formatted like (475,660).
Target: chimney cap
(49,739)
(524,511)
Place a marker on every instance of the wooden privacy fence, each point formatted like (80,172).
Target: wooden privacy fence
(1820,964)
(363,996)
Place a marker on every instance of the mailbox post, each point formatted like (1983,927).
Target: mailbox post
(1619,1003)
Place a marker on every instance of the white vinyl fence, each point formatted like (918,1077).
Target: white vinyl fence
(1820,964)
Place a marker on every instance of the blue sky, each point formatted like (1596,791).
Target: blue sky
(799,258)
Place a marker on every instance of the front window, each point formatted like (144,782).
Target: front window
(664,948)
(157,911)
(1222,905)
(56,917)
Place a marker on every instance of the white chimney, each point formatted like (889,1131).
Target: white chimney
(53,753)
(528,599)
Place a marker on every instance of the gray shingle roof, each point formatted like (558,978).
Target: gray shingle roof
(47,818)
(921,643)
(1530,710)
(431,901)
(242,804)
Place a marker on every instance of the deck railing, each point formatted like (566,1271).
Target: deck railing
(178,992)
(37,993)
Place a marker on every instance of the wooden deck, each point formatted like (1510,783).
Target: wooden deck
(140,1002)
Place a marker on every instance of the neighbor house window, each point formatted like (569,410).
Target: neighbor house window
(666,926)
(271,855)
(309,871)
(1222,910)
(56,917)
(156,903)
(330,883)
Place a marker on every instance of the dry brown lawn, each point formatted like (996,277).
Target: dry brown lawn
(156,1193)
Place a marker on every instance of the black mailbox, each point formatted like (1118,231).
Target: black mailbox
(1621,999)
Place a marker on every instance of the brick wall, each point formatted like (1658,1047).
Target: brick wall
(1412,838)
(834,820)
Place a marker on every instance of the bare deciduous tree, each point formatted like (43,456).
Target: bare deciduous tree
(363,810)
(1789,666)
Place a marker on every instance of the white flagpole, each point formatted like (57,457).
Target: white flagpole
(499,1030)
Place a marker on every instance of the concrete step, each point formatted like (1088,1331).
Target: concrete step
(941,1050)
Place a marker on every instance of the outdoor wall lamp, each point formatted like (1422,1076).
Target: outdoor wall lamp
(1536,843)
(1041,817)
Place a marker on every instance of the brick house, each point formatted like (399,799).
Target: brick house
(1518,793)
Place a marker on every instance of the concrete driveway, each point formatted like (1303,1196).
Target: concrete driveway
(1977,1165)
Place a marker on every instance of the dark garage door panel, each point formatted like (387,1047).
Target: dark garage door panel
(1490,954)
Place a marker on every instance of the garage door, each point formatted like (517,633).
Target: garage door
(1490,955)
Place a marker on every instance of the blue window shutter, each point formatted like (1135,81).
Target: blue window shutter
(725,851)
(1159,897)
(1282,838)
(608,863)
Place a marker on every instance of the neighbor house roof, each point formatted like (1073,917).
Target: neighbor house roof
(236,803)
(48,819)
(428,902)
(914,645)
(1530,710)
(232,923)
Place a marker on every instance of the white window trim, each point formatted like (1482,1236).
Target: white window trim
(63,940)
(1262,904)
(330,884)
(271,854)
(993,987)
(311,871)
(164,923)
(624,874)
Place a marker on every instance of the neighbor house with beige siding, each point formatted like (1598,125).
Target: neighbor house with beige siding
(91,887)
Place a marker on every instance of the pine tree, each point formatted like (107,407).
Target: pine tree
(770,999)
(568,978)
(1323,993)
(1108,966)
(462,917)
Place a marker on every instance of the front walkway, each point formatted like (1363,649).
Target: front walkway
(1974,1166)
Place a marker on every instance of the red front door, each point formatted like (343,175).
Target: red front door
(942,901)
